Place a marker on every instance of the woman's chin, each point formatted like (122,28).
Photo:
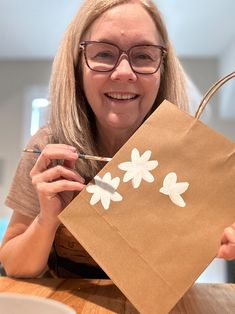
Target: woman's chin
(123,124)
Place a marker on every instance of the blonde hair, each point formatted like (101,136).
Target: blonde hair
(72,121)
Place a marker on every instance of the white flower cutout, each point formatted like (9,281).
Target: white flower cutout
(174,189)
(104,190)
(138,168)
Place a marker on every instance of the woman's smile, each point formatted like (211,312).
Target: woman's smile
(119,96)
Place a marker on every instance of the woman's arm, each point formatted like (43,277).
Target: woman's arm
(26,246)
(27,242)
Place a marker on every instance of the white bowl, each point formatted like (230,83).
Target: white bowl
(14,303)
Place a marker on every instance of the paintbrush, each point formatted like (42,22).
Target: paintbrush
(80,155)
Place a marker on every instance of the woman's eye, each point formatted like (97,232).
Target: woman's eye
(104,55)
(143,57)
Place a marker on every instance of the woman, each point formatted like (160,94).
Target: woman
(113,69)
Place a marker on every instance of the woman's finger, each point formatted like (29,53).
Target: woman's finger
(55,173)
(227,248)
(69,164)
(51,153)
(228,235)
(227,251)
(51,189)
(61,146)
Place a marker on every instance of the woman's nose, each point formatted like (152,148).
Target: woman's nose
(123,71)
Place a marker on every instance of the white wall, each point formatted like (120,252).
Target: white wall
(204,73)
(227,59)
(16,77)
(227,95)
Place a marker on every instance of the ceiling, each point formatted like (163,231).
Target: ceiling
(33,28)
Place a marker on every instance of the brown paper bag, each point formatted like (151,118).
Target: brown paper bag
(154,216)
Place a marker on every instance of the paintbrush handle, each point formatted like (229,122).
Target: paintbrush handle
(98,158)
(82,156)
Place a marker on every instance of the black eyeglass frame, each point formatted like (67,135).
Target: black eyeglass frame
(83,45)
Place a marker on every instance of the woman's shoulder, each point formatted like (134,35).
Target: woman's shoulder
(41,138)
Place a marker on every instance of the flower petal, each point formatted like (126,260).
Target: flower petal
(177,199)
(137,180)
(116,197)
(146,155)
(147,176)
(95,198)
(135,155)
(164,191)
(125,165)
(105,199)
(152,164)
(107,177)
(181,187)
(97,179)
(91,188)
(129,175)
(115,182)
(170,180)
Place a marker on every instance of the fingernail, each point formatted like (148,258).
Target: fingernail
(74,155)
(72,148)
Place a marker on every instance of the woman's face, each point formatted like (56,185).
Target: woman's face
(121,99)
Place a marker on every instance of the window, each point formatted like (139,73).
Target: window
(39,114)
(35,112)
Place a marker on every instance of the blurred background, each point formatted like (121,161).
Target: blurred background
(203,33)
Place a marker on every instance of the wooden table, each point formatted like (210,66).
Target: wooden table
(103,297)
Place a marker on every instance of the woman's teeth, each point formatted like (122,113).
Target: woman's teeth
(120,96)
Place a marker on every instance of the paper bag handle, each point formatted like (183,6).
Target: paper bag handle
(211,92)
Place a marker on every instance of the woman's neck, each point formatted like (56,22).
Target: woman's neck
(109,142)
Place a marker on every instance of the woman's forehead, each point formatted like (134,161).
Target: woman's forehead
(130,22)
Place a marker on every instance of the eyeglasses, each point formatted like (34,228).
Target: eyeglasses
(104,57)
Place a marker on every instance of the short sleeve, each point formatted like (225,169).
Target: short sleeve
(22,196)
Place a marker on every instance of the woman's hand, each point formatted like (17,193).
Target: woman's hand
(55,185)
(227,249)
